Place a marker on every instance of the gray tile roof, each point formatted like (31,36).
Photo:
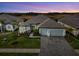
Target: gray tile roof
(37,19)
(9,18)
(51,24)
(72,20)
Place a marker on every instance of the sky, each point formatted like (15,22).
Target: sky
(40,7)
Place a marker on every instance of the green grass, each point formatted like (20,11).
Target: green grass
(19,54)
(13,41)
(75,44)
(27,43)
(73,40)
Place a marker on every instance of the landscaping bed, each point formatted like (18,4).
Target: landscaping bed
(13,41)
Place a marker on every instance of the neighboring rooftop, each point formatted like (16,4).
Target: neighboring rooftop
(71,20)
(8,18)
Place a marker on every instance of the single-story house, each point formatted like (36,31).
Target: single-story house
(51,28)
(53,42)
(10,23)
(70,22)
(24,27)
(9,26)
(6,26)
(36,21)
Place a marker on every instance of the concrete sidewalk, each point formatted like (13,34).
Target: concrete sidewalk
(23,50)
(77,51)
(17,50)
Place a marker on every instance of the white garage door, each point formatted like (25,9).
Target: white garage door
(52,32)
(43,31)
(57,32)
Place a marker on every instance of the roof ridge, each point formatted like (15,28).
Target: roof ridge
(43,22)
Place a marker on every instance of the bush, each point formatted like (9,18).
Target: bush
(36,32)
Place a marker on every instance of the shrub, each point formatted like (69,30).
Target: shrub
(36,32)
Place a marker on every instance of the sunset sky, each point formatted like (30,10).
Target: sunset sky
(42,7)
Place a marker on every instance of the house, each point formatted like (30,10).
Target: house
(53,41)
(9,26)
(10,22)
(70,22)
(36,21)
(51,28)
(24,27)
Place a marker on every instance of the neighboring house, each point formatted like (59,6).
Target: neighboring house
(23,27)
(10,22)
(36,21)
(53,42)
(9,27)
(70,22)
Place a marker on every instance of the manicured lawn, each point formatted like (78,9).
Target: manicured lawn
(75,44)
(13,41)
(19,54)
(73,40)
